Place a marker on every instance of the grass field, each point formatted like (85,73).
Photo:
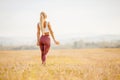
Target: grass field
(71,64)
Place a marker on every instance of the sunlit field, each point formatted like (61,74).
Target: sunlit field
(70,64)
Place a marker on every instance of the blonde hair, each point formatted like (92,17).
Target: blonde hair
(42,17)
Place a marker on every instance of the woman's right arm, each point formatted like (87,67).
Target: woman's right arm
(51,32)
(38,34)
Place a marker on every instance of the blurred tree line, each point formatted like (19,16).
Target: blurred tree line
(100,44)
(73,45)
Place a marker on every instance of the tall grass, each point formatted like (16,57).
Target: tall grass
(84,64)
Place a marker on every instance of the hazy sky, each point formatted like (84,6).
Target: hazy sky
(67,17)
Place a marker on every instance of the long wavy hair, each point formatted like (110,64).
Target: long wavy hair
(43,16)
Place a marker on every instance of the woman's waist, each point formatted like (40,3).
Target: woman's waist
(45,37)
(45,34)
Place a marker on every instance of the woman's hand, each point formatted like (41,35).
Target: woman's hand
(57,42)
(38,43)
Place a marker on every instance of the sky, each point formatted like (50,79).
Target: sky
(67,17)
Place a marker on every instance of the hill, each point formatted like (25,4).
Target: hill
(100,41)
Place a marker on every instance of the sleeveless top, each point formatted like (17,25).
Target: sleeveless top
(44,29)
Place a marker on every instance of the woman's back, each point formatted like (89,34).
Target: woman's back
(45,28)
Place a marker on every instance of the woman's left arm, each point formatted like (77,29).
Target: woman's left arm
(38,34)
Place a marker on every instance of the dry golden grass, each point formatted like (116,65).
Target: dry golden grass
(74,64)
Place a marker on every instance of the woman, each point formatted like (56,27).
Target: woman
(44,41)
